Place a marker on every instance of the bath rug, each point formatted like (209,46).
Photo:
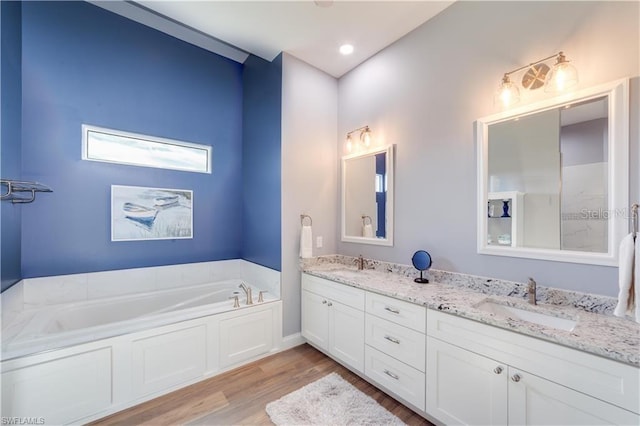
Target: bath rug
(330,400)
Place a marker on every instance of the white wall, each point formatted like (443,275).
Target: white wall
(309,172)
(424,92)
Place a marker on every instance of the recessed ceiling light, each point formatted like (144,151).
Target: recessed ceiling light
(346,49)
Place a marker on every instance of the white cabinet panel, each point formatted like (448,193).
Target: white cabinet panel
(166,360)
(342,293)
(400,342)
(346,341)
(463,387)
(59,391)
(536,401)
(404,381)
(315,319)
(244,337)
(398,311)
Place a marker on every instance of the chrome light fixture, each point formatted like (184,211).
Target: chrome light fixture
(561,77)
(364,139)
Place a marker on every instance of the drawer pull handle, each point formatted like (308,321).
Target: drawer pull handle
(392,310)
(390,374)
(497,370)
(516,378)
(392,340)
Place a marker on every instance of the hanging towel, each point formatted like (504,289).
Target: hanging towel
(306,242)
(367,231)
(625,276)
(636,279)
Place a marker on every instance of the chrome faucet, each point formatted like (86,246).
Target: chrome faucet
(531,291)
(361,262)
(247,291)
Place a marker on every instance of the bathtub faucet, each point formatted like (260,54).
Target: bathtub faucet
(247,291)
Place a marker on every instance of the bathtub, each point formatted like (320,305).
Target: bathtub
(105,355)
(63,325)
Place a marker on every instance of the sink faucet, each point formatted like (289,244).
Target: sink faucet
(531,291)
(247,291)
(361,262)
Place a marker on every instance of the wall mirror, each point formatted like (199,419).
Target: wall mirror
(553,178)
(367,197)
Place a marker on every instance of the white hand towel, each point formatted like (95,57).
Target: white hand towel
(367,231)
(625,274)
(306,242)
(636,282)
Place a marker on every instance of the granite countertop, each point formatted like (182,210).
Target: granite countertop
(596,330)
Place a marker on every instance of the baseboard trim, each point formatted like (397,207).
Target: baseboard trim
(292,340)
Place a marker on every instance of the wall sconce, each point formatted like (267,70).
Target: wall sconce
(562,76)
(365,138)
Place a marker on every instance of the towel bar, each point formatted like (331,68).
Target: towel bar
(305,216)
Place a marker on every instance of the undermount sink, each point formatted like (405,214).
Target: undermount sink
(544,319)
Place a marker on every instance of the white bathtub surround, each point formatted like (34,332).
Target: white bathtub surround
(85,382)
(604,335)
(109,340)
(11,303)
(97,285)
(55,312)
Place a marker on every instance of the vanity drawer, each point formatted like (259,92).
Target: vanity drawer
(602,378)
(398,311)
(400,342)
(399,378)
(340,293)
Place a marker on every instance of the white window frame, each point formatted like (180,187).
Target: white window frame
(152,143)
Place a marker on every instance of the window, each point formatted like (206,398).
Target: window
(115,146)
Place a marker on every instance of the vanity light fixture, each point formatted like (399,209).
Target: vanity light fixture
(365,138)
(561,77)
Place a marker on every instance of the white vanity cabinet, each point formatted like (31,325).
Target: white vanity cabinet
(333,319)
(478,374)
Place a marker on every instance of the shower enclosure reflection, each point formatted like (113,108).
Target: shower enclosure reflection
(559,169)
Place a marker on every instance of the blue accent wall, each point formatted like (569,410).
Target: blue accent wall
(261,194)
(82,64)
(10,138)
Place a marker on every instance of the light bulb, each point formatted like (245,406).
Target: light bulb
(508,93)
(562,77)
(349,145)
(366,137)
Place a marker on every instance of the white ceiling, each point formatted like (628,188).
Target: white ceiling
(306,30)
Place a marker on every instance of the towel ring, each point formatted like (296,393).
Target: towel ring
(364,220)
(305,216)
(634,218)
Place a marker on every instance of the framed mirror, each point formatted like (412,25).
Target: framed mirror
(553,178)
(367,197)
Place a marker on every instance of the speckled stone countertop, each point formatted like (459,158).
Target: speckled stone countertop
(597,331)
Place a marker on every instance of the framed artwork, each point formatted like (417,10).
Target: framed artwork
(140,213)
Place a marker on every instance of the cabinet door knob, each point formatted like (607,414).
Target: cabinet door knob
(330,304)
(497,370)
(516,377)
(324,302)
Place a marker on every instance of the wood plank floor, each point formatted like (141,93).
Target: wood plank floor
(238,397)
